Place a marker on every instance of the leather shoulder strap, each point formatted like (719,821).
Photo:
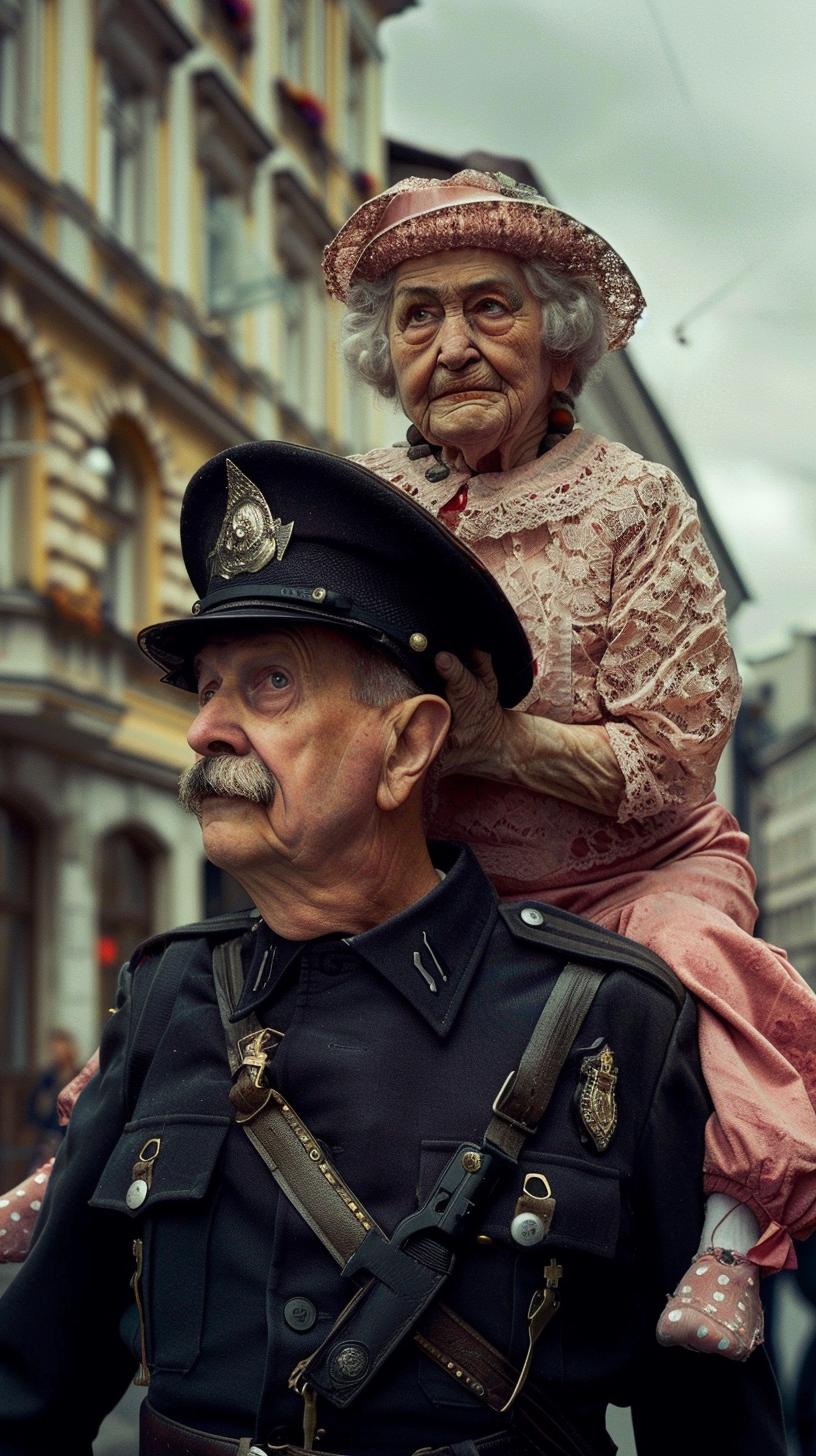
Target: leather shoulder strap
(315,1188)
(526,1094)
(572,936)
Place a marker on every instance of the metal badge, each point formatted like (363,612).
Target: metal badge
(596,1103)
(250,536)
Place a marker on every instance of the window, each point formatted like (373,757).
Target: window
(230,144)
(139,43)
(17,844)
(21,73)
(11,428)
(357,108)
(295,349)
(293,40)
(127,162)
(222,239)
(123,523)
(127,885)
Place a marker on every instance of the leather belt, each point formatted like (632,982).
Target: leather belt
(159,1436)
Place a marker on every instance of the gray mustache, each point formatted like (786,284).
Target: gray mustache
(225,777)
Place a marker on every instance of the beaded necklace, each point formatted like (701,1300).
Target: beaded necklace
(560,423)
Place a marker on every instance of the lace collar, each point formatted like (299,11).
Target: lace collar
(566,481)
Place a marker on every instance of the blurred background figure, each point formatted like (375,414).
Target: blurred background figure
(41,1113)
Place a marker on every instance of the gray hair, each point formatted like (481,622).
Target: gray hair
(572,325)
(377,680)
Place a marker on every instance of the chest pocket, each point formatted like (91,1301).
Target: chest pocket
(497,1277)
(173,1217)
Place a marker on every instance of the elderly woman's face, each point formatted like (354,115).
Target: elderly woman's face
(472,373)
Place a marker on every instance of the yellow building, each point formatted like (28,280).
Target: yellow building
(169,175)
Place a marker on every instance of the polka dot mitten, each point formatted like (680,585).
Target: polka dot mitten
(716,1307)
(18,1215)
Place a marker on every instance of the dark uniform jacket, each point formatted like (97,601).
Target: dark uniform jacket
(390,1075)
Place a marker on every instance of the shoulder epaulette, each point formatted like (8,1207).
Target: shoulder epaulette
(573,936)
(232,922)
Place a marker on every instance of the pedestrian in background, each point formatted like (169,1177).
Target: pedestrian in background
(41,1109)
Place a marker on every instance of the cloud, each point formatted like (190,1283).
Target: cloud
(698,181)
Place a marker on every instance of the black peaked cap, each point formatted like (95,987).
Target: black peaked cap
(273,533)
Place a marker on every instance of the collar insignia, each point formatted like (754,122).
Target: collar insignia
(250,536)
(596,1097)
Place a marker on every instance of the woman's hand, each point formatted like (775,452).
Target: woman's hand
(477,742)
(572,761)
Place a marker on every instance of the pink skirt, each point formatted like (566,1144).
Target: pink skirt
(693,904)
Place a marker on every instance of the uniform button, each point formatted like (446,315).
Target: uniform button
(531,916)
(300,1314)
(527,1229)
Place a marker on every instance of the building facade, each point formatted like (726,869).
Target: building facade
(169,175)
(777,751)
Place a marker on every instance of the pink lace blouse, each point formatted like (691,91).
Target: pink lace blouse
(602,555)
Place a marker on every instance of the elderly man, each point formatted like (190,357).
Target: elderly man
(490,1118)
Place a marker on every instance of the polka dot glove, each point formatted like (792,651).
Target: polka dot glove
(18,1215)
(716,1307)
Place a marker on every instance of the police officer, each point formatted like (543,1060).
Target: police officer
(489,1118)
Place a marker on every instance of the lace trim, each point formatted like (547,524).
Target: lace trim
(602,557)
(566,481)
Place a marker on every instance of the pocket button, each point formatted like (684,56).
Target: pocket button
(300,1314)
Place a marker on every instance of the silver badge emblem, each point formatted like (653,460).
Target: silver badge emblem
(250,536)
(596,1102)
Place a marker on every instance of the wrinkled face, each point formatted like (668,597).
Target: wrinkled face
(311,756)
(465,337)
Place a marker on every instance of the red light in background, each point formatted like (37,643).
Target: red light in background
(107,949)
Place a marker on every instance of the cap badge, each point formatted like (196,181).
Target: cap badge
(596,1098)
(250,536)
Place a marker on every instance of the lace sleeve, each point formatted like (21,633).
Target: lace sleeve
(667,680)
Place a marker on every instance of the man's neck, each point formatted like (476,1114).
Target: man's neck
(350,892)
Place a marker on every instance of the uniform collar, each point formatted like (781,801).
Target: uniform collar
(428,953)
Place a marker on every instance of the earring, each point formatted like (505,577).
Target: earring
(419,449)
(560,421)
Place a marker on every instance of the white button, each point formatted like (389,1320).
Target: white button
(527,1229)
(531,916)
(136,1194)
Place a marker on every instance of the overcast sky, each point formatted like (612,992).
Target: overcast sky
(686,135)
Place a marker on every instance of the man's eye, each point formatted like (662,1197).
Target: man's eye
(205,695)
(278,680)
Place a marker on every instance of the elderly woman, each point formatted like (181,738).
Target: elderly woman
(483,310)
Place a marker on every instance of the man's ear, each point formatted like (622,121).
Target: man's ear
(418,729)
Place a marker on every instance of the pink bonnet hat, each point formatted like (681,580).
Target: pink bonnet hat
(422,215)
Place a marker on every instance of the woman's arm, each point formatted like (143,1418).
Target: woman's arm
(667,683)
(570,761)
